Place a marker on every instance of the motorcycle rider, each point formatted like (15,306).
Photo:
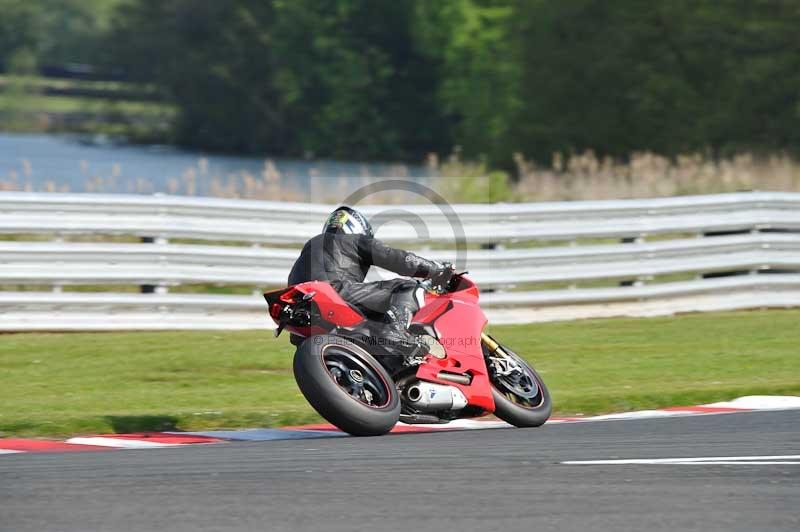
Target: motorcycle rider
(343,253)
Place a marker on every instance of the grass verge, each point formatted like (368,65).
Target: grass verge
(60,384)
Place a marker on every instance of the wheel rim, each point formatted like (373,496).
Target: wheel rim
(356,377)
(520,385)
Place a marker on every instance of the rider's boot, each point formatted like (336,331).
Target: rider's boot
(396,330)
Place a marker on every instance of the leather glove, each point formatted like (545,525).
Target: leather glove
(440,278)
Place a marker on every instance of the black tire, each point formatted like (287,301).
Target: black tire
(523,412)
(321,370)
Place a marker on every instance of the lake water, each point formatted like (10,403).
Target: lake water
(68,164)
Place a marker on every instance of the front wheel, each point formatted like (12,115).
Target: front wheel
(346,385)
(520,395)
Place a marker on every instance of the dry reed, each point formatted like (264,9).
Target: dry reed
(646,175)
(579,177)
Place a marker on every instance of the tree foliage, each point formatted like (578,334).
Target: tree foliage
(356,81)
(19,30)
(53,31)
(473,43)
(213,59)
(670,77)
(396,79)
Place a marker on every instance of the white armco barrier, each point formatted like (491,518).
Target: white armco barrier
(254,243)
(293,223)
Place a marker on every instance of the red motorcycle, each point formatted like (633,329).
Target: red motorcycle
(364,385)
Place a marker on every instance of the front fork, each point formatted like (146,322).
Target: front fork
(499,362)
(491,345)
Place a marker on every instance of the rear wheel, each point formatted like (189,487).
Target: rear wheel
(346,385)
(520,395)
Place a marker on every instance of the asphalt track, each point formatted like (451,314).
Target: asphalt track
(505,479)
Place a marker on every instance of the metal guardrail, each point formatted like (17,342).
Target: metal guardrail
(99,312)
(768,240)
(172,264)
(293,223)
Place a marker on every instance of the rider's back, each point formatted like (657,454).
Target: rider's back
(337,256)
(331,257)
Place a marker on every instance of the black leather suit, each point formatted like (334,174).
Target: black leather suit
(344,259)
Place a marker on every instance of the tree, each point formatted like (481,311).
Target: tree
(214,60)
(330,78)
(356,81)
(20,30)
(670,77)
(476,47)
(395,79)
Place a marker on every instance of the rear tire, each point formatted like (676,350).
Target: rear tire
(346,385)
(519,410)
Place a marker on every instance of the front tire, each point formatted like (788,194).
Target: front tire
(346,385)
(521,398)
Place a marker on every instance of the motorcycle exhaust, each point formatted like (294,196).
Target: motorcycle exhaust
(430,397)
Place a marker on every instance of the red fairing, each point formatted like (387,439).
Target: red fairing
(458,322)
(332,307)
(434,308)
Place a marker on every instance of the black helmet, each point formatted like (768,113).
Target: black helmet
(348,221)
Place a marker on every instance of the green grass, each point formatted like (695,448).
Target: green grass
(39,103)
(88,107)
(39,83)
(57,384)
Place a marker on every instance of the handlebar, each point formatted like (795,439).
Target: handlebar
(452,284)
